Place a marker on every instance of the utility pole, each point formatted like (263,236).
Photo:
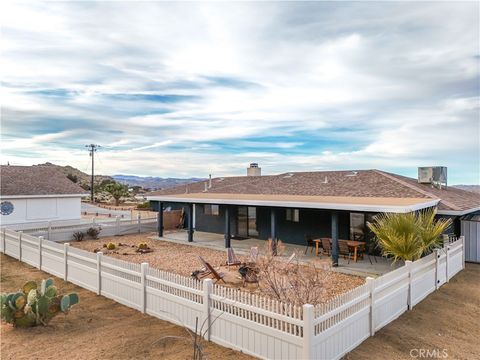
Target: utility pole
(92,148)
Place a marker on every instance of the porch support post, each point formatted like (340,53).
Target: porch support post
(273,224)
(334,238)
(190,222)
(160,219)
(227,227)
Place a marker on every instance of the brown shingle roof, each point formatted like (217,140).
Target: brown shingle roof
(361,183)
(35,180)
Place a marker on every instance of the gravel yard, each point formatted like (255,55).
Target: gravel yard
(183,260)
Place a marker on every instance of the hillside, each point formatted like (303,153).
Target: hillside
(82,178)
(149,182)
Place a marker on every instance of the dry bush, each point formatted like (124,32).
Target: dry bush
(293,283)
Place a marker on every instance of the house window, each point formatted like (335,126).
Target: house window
(211,209)
(293,215)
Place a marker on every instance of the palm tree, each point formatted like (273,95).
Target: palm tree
(408,236)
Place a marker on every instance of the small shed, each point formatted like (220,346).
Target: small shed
(470,228)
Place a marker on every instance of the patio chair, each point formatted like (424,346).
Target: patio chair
(344,249)
(309,243)
(211,271)
(253,254)
(326,245)
(232,258)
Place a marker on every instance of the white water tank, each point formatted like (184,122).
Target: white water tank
(254,170)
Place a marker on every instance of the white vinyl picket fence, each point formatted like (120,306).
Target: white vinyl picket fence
(236,319)
(63,231)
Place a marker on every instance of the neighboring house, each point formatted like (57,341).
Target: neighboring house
(37,194)
(288,206)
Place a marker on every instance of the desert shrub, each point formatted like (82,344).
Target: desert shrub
(144,205)
(142,245)
(290,283)
(35,305)
(93,232)
(110,246)
(78,236)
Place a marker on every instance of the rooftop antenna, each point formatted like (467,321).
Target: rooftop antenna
(92,148)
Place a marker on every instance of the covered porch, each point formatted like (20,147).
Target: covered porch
(362,267)
(245,220)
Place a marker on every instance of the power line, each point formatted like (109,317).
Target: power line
(92,149)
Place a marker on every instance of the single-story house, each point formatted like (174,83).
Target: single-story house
(37,194)
(288,206)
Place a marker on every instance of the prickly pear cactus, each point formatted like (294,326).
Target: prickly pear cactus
(35,304)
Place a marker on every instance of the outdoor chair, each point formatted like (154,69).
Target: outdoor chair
(344,249)
(232,258)
(211,271)
(327,247)
(309,243)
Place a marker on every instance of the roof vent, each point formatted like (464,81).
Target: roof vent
(289,175)
(325,181)
(353,173)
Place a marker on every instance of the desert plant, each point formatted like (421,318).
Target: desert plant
(110,246)
(144,205)
(290,283)
(35,305)
(142,246)
(408,236)
(117,191)
(93,232)
(78,236)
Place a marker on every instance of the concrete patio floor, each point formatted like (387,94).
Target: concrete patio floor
(242,247)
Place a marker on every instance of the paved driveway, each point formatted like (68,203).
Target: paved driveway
(446,325)
(89,208)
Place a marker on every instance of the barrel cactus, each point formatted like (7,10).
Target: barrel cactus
(35,305)
(142,245)
(111,246)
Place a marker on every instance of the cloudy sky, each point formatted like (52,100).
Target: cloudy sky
(188,89)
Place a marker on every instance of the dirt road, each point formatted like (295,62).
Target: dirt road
(445,325)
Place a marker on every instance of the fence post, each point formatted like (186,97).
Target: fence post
(65,257)
(20,234)
(99,273)
(49,229)
(371,285)
(447,260)
(117,225)
(409,266)
(144,271)
(139,222)
(207,290)
(93,221)
(40,245)
(308,331)
(3,241)
(463,250)
(437,263)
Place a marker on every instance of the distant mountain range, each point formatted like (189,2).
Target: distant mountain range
(151,182)
(472,188)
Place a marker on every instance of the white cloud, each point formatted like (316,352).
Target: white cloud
(291,85)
